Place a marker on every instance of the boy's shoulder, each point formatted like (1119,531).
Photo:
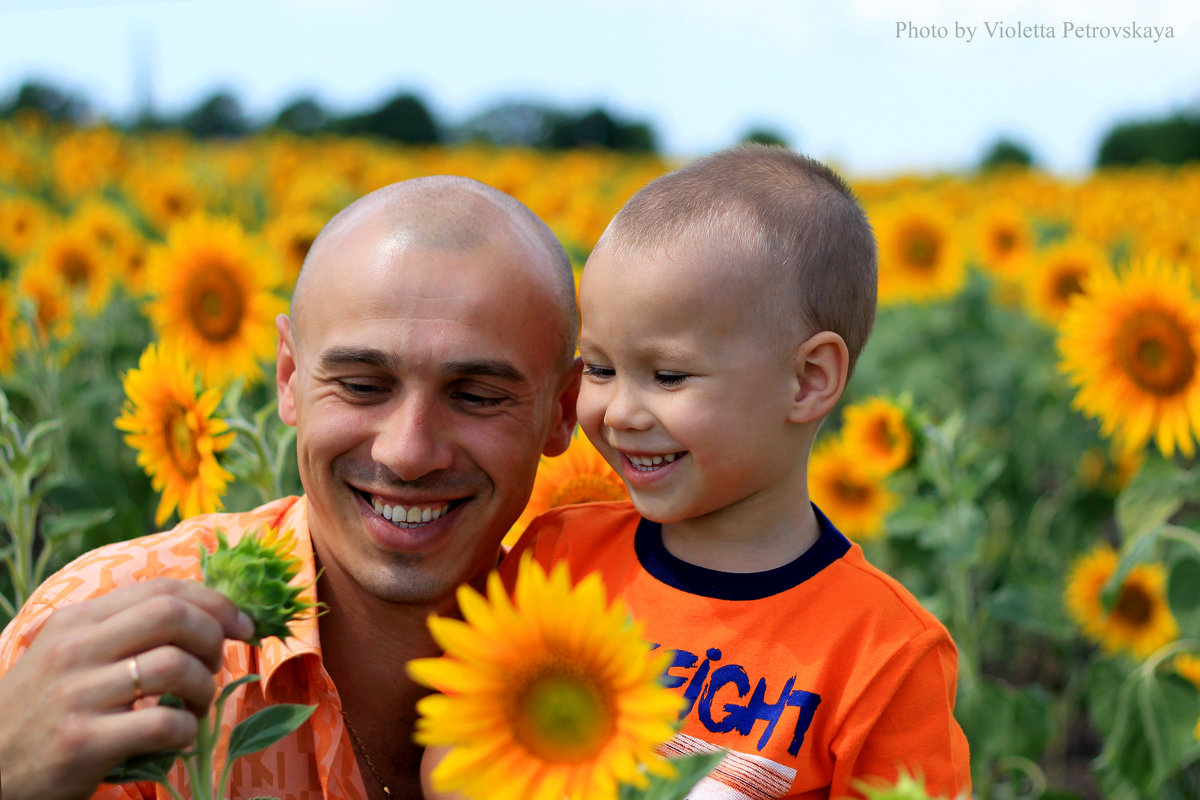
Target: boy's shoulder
(835,568)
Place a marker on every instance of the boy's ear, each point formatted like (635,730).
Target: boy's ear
(822,366)
(564,412)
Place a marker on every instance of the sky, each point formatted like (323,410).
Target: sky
(875,86)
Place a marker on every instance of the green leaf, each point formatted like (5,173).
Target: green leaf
(147,767)
(39,430)
(1183,586)
(1159,490)
(70,522)
(228,690)
(1154,741)
(266,727)
(689,771)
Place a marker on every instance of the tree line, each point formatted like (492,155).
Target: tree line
(405,118)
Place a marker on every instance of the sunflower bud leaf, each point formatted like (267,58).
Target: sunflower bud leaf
(266,727)
(228,690)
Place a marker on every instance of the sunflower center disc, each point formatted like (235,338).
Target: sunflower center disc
(215,305)
(921,248)
(180,441)
(562,715)
(1156,353)
(75,269)
(883,437)
(852,492)
(586,489)
(1134,606)
(1067,285)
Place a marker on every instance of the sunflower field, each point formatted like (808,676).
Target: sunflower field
(1017,444)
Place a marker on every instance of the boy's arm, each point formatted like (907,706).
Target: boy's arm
(905,720)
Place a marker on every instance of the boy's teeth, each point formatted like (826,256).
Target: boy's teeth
(652,461)
(408,516)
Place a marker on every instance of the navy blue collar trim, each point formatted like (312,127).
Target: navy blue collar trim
(829,547)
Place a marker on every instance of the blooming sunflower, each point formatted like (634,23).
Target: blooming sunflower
(580,475)
(549,695)
(50,297)
(1057,274)
(70,252)
(1139,622)
(23,221)
(291,235)
(1130,344)
(878,432)
(853,497)
(1188,666)
(1004,239)
(919,256)
(213,294)
(8,326)
(175,433)
(166,196)
(1109,469)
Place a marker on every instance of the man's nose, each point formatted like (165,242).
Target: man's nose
(411,442)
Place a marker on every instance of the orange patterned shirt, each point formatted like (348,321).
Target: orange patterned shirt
(315,762)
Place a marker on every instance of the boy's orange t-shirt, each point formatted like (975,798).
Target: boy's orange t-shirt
(816,674)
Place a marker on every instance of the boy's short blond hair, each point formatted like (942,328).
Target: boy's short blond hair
(789,213)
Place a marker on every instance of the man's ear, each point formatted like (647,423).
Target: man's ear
(564,411)
(285,370)
(822,366)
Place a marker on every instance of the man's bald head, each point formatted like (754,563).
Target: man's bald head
(448,212)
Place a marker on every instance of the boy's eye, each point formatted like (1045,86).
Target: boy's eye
(670,378)
(593,371)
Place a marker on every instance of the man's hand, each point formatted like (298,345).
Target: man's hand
(66,716)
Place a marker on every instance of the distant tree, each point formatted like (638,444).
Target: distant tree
(218,115)
(1171,140)
(402,118)
(303,116)
(1006,153)
(598,128)
(512,124)
(51,101)
(764,136)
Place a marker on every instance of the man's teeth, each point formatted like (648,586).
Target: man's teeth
(649,462)
(409,515)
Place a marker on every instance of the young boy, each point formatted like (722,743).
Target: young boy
(722,313)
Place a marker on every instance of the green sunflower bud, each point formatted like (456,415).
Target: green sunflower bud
(906,787)
(256,574)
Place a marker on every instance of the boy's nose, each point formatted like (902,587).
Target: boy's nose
(626,412)
(411,442)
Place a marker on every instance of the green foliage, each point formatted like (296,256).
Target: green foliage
(256,574)
(1006,153)
(48,101)
(219,115)
(689,771)
(764,136)
(263,728)
(1171,140)
(401,118)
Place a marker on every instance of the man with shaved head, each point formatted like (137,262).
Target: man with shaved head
(427,363)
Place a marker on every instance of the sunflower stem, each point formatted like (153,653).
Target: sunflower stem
(262,474)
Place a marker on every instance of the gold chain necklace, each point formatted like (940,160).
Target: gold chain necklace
(363,750)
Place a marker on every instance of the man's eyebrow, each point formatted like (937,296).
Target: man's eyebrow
(367,356)
(486,368)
